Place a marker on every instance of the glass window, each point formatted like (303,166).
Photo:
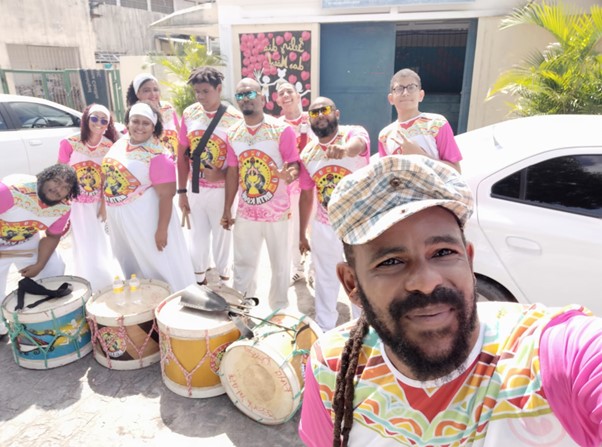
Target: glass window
(31,116)
(571,183)
(3,125)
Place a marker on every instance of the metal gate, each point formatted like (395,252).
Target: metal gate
(67,87)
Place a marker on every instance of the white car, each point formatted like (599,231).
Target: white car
(30,132)
(537,226)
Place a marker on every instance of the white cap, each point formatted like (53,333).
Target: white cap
(143,109)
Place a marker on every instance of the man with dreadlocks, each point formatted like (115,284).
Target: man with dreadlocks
(29,205)
(425,365)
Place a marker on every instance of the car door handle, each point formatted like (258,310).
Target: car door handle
(523,244)
(35,142)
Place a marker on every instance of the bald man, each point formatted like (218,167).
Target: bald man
(337,152)
(262,160)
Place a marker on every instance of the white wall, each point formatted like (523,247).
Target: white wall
(62,23)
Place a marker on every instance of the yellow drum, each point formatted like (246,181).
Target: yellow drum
(53,333)
(192,344)
(124,331)
(264,376)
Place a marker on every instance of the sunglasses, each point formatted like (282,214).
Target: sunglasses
(96,119)
(411,88)
(314,113)
(249,95)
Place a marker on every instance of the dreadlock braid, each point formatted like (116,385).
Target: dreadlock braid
(345,387)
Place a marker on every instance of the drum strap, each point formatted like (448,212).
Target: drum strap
(28,285)
(196,153)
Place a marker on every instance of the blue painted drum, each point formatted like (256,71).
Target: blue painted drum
(55,332)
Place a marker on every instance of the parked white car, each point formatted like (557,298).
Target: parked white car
(537,226)
(30,132)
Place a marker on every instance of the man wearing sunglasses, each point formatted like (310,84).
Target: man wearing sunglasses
(262,160)
(337,152)
(416,132)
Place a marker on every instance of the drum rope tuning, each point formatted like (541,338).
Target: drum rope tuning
(121,335)
(18,333)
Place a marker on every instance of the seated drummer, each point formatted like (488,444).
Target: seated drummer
(28,205)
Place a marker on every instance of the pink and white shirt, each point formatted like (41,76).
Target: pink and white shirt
(130,170)
(430,131)
(195,121)
(171,127)
(259,154)
(86,161)
(23,215)
(323,173)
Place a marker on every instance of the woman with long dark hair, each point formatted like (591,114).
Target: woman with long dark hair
(84,151)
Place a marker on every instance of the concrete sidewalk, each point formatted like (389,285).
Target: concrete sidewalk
(86,404)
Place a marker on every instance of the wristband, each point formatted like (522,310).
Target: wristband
(181,191)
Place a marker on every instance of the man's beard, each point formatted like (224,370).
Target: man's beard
(328,130)
(45,198)
(248,112)
(422,366)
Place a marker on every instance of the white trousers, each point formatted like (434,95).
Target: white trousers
(207,237)
(54,267)
(294,221)
(248,239)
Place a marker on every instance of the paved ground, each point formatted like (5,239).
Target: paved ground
(86,404)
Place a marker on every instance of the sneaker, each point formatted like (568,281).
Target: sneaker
(298,276)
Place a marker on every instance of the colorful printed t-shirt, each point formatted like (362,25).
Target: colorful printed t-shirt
(130,170)
(23,215)
(323,173)
(430,131)
(501,398)
(171,125)
(194,123)
(86,161)
(259,154)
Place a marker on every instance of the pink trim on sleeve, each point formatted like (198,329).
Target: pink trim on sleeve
(571,367)
(162,169)
(446,145)
(288,145)
(315,427)
(6,198)
(362,134)
(231,158)
(59,226)
(183,134)
(65,151)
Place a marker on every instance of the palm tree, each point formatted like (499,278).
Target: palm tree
(186,57)
(566,77)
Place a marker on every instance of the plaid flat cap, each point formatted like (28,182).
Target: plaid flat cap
(372,199)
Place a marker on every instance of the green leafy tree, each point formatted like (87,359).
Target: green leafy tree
(186,57)
(564,78)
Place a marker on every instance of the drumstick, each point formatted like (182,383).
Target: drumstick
(16,253)
(185,220)
(261,319)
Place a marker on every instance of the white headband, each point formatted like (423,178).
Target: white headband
(99,108)
(143,109)
(141,79)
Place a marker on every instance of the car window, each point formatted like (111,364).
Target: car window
(31,116)
(3,125)
(570,183)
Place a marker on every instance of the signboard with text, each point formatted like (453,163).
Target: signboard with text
(270,56)
(95,87)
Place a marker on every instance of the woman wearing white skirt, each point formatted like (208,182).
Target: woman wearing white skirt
(84,151)
(140,183)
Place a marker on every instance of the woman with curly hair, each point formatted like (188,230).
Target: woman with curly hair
(145,87)
(84,151)
(140,184)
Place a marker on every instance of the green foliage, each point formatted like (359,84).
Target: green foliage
(566,77)
(186,57)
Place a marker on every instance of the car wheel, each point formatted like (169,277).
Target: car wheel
(487,290)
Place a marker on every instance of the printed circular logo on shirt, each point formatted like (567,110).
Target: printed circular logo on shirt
(13,233)
(326,179)
(214,152)
(89,177)
(119,182)
(258,177)
(169,140)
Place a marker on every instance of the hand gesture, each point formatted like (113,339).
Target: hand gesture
(289,173)
(408,147)
(336,152)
